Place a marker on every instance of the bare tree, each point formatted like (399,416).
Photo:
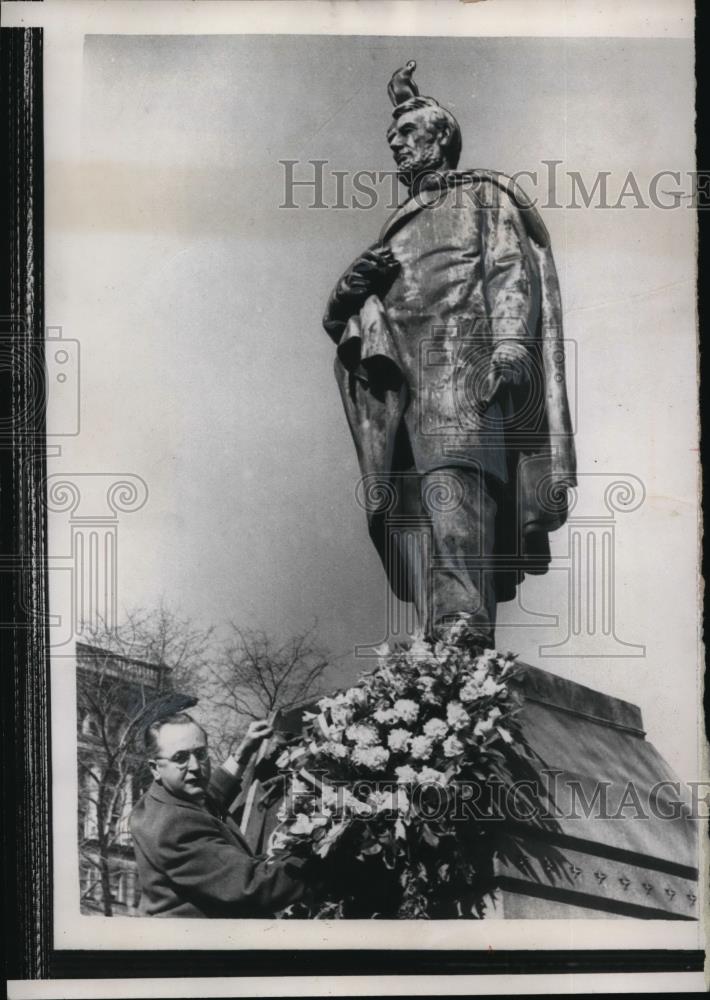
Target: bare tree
(255,674)
(150,665)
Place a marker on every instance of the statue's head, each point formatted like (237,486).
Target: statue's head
(423,136)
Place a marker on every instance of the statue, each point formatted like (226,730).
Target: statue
(450,365)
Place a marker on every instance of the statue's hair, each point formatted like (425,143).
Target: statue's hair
(441,118)
(152,732)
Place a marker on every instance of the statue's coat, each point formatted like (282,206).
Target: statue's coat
(476,270)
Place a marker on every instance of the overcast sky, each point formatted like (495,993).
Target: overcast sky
(197,302)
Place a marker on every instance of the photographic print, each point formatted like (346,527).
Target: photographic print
(372,476)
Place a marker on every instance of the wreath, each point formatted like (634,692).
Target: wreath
(390,789)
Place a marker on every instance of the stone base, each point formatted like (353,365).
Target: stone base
(616,856)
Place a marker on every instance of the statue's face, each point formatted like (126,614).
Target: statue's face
(416,144)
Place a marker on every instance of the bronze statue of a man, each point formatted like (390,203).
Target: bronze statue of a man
(450,365)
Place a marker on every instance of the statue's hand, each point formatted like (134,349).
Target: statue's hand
(365,277)
(509,367)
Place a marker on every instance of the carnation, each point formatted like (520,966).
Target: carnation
(357,697)
(388,801)
(306,824)
(385,716)
(470,691)
(490,687)
(279,841)
(405,774)
(421,747)
(340,715)
(430,776)
(364,736)
(406,709)
(436,729)
(456,715)
(453,747)
(483,726)
(372,757)
(419,648)
(334,749)
(426,685)
(399,739)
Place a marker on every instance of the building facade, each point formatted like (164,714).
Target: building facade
(114,698)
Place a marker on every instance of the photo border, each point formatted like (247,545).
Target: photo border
(25,700)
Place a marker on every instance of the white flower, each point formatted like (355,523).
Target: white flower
(399,739)
(456,715)
(426,685)
(330,797)
(436,729)
(482,727)
(300,787)
(406,709)
(401,801)
(306,824)
(495,713)
(421,747)
(351,802)
(430,776)
(278,841)
(372,757)
(379,801)
(405,774)
(364,736)
(490,687)
(382,653)
(453,747)
(334,749)
(357,697)
(389,801)
(420,647)
(385,716)
(340,715)
(470,691)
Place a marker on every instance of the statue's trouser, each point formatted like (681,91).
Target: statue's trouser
(449,558)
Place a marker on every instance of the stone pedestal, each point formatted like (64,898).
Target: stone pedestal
(622,842)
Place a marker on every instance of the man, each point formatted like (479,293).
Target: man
(451,371)
(192,858)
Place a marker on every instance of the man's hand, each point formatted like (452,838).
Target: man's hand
(257,731)
(509,367)
(365,277)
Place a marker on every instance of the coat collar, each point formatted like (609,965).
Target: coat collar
(424,199)
(430,196)
(166,798)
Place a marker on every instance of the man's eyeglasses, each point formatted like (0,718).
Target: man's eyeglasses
(182,757)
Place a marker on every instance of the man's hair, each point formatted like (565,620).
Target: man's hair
(441,119)
(152,732)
